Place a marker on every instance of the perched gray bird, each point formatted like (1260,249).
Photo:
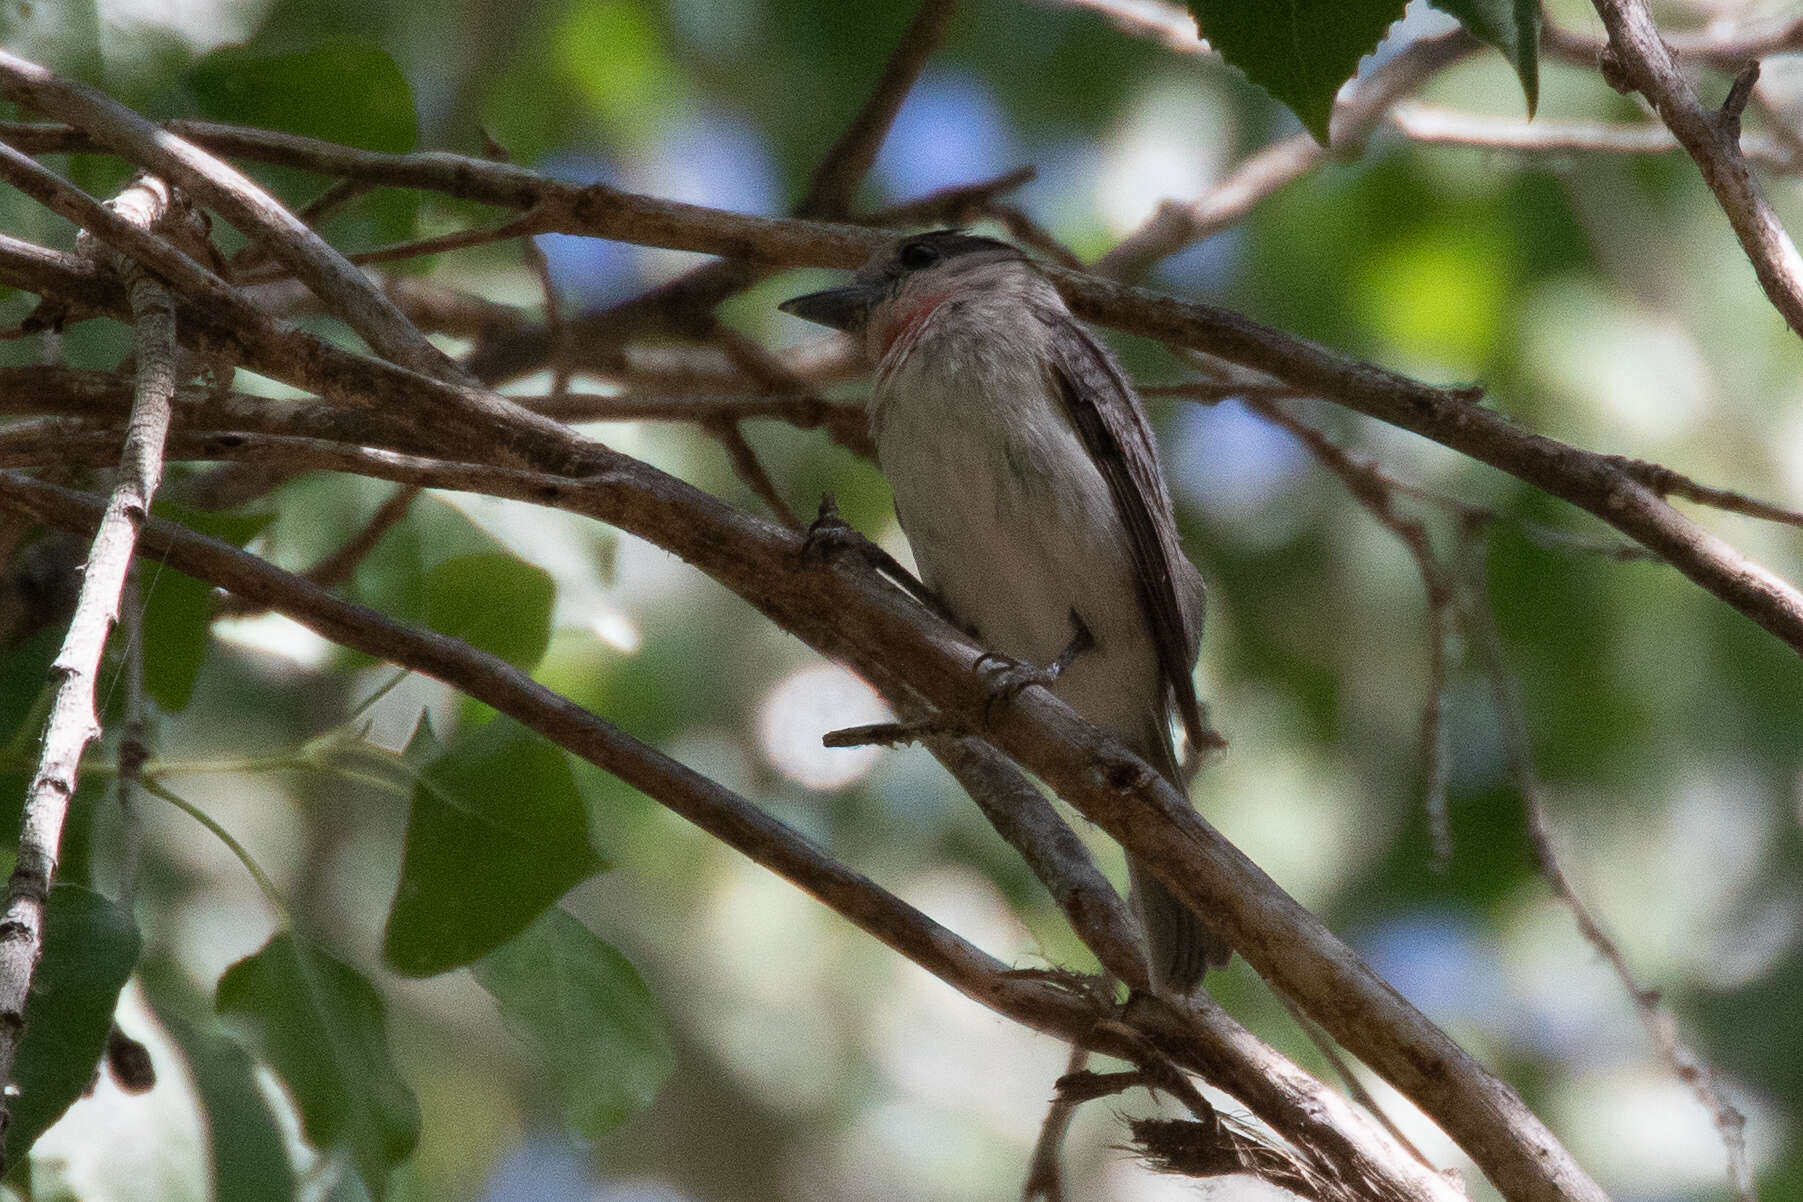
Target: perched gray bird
(1026,480)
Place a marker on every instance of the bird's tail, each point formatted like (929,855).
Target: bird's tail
(1183,947)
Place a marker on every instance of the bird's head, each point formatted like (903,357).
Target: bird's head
(901,285)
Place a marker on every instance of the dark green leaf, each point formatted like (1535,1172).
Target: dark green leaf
(250,1161)
(178,609)
(90,946)
(1513,27)
(584,1009)
(318,1024)
(497,833)
(441,569)
(1300,51)
(342,90)
(494,601)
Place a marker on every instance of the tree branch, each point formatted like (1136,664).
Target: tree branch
(851,614)
(224,189)
(73,723)
(1448,416)
(1200,1036)
(1683,1061)
(1712,138)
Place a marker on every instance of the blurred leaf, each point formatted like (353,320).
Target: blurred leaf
(250,1161)
(342,90)
(318,1023)
(1300,51)
(440,569)
(90,946)
(497,833)
(1513,27)
(587,1013)
(494,601)
(178,609)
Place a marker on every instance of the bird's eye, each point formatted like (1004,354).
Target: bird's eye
(916,255)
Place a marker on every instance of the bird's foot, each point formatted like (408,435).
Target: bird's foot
(829,536)
(1007,677)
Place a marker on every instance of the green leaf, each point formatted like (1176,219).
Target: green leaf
(494,601)
(318,1023)
(1300,51)
(90,946)
(250,1160)
(441,569)
(497,833)
(587,1013)
(178,609)
(1513,27)
(342,90)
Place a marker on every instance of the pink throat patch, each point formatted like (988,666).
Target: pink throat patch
(907,320)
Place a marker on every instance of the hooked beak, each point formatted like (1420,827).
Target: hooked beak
(840,308)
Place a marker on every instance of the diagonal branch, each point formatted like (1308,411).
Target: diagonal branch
(848,612)
(73,723)
(1199,1036)
(1683,1061)
(221,187)
(1712,137)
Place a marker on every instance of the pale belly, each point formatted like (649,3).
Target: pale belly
(1014,528)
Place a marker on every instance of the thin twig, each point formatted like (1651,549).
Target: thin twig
(686,304)
(1446,127)
(523,225)
(1355,1089)
(846,164)
(1373,490)
(327,202)
(1177,224)
(1684,1062)
(338,566)
(1712,138)
(750,469)
(73,722)
(1045,1169)
(1669,483)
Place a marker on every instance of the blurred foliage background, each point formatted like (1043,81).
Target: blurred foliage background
(1600,299)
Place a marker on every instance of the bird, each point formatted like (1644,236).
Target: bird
(1026,481)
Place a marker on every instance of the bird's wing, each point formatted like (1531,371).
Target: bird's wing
(1107,415)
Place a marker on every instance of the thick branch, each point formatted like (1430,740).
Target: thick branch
(849,613)
(1203,1037)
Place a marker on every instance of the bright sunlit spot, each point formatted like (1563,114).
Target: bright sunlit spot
(1172,146)
(807,704)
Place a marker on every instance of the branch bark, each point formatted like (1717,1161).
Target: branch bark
(1712,138)
(847,612)
(1200,1036)
(73,723)
(221,187)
